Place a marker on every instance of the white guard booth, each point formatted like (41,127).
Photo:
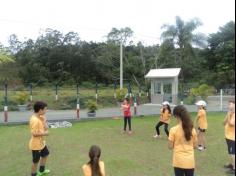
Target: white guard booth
(164,85)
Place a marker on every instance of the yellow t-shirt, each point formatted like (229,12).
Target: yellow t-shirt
(88,172)
(37,125)
(183,151)
(202,120)
(230,130)
(165,117)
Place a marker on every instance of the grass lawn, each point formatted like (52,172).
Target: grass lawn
(124,155)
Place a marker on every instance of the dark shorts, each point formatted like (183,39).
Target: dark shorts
(231,146)
(183,172)
(201,130)
(36,154)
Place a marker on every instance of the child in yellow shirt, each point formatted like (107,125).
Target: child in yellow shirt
(164,119)
(37,142)
(201,121)
(229,124)
(183,140)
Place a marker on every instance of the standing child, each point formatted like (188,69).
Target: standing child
(37,144)
(229,124)
(183,140)
(125,106)
(94,167)
(164,119)
(201,122)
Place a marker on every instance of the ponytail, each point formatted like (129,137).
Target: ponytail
(94,154)
(187,124)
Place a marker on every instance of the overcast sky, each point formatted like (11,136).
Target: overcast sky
(93,19)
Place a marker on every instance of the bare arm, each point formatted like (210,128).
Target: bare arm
(231,121)
(170,145)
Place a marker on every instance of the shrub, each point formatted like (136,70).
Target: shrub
(203,91)
(21,98)
(121,94)
(91,105)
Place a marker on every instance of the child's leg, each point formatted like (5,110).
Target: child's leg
(44,155)
(233,161)
(129,123)
(166,129)
(125,123)
(34,169)
(157,127)
(36,158)
(233,153)
(204,139)
(199,137)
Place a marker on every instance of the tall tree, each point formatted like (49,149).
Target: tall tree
(182,37)
(220,56)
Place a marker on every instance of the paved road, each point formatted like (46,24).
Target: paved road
(70,115)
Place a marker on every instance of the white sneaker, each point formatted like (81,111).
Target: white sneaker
(156,136)
(200,148)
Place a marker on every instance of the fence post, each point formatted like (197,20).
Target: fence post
(5,104)
(115,89)
(221,100)
(31,93)
(96,91)
(135,105)
(77,106)
(56,89)
(140,94)
(130,93)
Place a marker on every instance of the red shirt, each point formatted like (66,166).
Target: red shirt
(127,112)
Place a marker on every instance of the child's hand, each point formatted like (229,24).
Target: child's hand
(46,133)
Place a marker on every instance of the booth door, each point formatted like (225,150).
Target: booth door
(167,92)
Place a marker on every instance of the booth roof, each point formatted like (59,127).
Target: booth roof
(163,73)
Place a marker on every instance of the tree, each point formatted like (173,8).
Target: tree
(15,44)
(117,36)
(220,56)
(181,36)
(4,58)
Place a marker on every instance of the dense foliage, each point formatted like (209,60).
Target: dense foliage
(60,58)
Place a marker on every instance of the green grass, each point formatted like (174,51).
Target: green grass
(124,155)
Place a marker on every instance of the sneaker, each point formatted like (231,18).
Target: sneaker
(156,136)
(231,172)
(200,148)
(228,166)
(46,171)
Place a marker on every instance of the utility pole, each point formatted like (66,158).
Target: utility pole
(121,65)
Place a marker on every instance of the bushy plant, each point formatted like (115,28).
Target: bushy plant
(91,105)
(121,94)
(21,98)
(203,91)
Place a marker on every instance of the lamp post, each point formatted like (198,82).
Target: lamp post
(78,104)
(5,104)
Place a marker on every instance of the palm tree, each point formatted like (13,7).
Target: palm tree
(182,37)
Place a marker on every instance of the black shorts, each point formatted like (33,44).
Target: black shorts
(182,172)
(231,146)
(201,130)
(36,154)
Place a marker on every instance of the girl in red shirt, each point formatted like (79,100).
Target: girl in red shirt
(125,106)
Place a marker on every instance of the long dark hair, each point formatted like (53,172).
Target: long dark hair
(94,155)
(168,108)
(187,124)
